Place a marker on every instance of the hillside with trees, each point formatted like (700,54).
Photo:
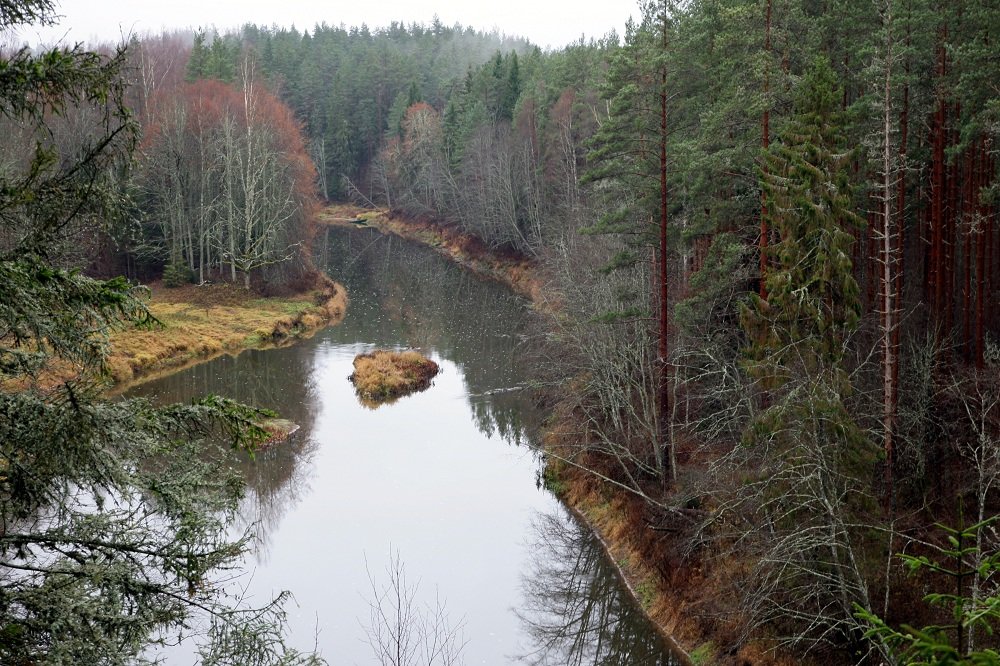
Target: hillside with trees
(766,230)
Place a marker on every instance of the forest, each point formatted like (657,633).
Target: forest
(765,233)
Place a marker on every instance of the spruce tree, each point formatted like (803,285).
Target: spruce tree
(812,303)
(812,457)
(113,514)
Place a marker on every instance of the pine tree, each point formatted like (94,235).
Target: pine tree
(629,154)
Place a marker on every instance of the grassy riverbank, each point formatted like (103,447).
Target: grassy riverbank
(199,323)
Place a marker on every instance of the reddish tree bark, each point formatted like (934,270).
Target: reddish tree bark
(765,143)
(951,218)
(967,228)
(664,323)
(935,281)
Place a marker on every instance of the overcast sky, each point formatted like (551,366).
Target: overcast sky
(548,23)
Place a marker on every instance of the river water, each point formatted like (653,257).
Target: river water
(442,486)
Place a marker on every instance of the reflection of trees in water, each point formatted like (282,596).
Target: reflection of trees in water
(574,612)
(400,291)
(276,477)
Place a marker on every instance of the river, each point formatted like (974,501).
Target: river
(443,485)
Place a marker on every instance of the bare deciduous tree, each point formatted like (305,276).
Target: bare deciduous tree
(403,632)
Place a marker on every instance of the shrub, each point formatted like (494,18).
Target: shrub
(177,274)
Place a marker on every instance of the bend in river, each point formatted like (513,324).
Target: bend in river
(446,480)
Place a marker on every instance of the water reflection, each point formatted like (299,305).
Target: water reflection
(278,476)
(574,612)
(445,477)
(400,289)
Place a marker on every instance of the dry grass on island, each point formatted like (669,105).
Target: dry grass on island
(382,376)
(278,431)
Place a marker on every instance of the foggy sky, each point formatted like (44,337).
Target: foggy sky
(547,23)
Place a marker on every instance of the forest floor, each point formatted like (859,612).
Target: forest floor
(673,597)
(197,323)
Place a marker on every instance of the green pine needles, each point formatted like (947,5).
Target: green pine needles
(969,610)
(113,514)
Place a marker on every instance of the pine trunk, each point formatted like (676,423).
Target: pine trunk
(935,268)
(765,143)
(664,321)
(888,279)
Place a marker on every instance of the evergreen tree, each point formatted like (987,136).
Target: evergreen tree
(814,455)
(114,515)
(947,644)
(812,297)
(197,65)
(630,153)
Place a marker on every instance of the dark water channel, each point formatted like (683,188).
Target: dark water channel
(446,479)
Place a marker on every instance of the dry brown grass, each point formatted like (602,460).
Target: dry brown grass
(278,431)
(198,323)
(382,376)
(202,322)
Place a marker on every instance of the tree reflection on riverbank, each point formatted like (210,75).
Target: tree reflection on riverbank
(574,613)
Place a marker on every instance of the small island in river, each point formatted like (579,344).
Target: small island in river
(382,376)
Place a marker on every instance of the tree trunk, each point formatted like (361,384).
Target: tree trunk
(984,232)
(900,251)
(664,321)
(888,279)
(765,143)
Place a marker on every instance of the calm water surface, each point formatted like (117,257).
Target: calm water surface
(447,479)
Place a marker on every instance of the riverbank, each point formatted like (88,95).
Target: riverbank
(197,323)
(613,516)
(518,273)
(686,597)
(201,322)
